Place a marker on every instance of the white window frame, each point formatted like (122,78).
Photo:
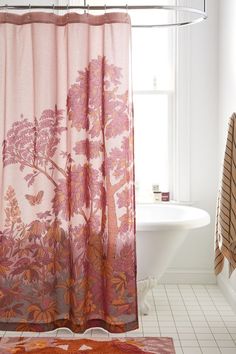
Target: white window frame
(179,118)
(181,133)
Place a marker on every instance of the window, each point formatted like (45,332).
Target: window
(153,60)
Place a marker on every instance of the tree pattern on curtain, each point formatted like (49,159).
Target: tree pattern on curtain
(62,269)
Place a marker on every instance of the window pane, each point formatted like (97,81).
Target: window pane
(152,59)
(151,143)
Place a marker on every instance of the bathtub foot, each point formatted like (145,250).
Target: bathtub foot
(144,286)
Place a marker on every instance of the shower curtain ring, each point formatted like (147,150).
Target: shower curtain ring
(29,11)
(105,9)
(53,9)
(127,8)
(6,8)
(87,9)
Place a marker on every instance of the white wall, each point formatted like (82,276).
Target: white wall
(213,100)
(227,101)
(194,261)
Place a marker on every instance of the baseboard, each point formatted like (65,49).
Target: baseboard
(183,276)
(227,290)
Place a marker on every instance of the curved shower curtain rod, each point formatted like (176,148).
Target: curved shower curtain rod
(202,14)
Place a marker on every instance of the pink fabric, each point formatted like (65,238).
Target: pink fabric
(67,231)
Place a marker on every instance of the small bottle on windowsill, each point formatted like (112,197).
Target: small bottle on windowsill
(157,196)
(156,193)
(165,196)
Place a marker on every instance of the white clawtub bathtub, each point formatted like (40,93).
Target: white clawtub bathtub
(161,229)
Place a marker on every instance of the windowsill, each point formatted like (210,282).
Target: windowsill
(170,202)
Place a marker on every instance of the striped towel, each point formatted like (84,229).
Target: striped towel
(225,236)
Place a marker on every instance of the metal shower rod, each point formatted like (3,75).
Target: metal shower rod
(202,14)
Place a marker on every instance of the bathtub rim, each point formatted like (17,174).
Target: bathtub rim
(183,224)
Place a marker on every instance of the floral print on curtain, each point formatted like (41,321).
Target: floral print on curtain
(67,232)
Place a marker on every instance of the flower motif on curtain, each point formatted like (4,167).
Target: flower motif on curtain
(72,260)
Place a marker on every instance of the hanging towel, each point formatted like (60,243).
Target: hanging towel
(225,240)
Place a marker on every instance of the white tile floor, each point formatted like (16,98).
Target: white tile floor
(197,317)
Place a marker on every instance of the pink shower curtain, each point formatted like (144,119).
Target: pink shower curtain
(67,231)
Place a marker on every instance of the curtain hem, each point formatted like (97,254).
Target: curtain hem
(76,328)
